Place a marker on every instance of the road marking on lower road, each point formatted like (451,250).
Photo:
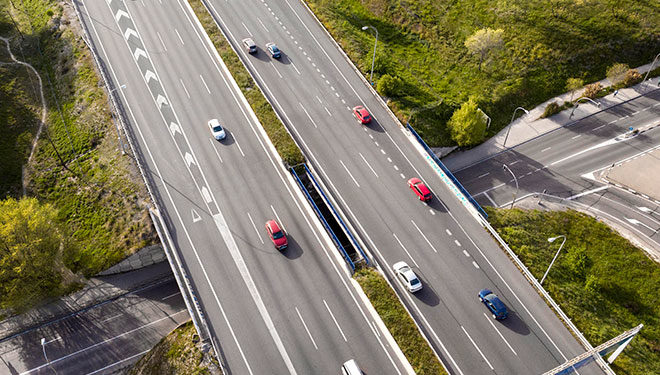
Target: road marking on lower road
(587,192)
(255,228)
(466,253)
(170,296)
(404,249)
(216,150)
(319,99)
(246,29)
(448,231)
(577,136)
(161,41)
(594,129)
(275,69)
(308,116)
(498,332)
(335,320)
(262,25)
(396,168)
(515,162)
(118,362)
(238,145)
(110,318)
(479,350)
(546,149)
(490,199)
(306,329)
(294,67)
(484,175)
(422,233)
(368,165)
(179,35)
(326,109)
(457,243)
(475,264)
(184,88)
(402,176)
(279,221)
(349,173)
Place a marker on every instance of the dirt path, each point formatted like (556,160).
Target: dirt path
(44,111)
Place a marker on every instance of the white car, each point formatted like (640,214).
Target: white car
(217,130)
(407,277)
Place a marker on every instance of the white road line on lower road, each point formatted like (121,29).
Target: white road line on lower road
(246,29)
(58,338)
(238,145)
(596,128)
(179,35)
(396,168)
(184,88)
(294,67)
(161,41)
(515,162)
(349,173)
(216,150)
(308,116)
(577,136)
(53,361)
(262,25)
(404,249)
(479,350)
(110,318)
(327,110)
(484,175)
(587,192)
(431,211)
(403,176)
(118,362)
(170,296)
(457,243)
(278,218)
(490,199)
(306,329)
(368,165)
(205,85)
(422,233)
(255,228)
(613,121)
(499,333)
(319,99)
(546,149)
(475,264)
(466,253)
(448,232)
(335,320)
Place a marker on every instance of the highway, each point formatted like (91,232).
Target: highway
(365,168)
(269,312)
(568,162)
(100,340)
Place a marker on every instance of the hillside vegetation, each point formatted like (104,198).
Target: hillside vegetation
(425,67)
(602,282)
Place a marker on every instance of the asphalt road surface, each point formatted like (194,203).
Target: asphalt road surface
(269,312)
(569,162)
(313,88)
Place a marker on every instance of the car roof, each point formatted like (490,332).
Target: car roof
(363,111)
(273,225)
(214,122)
(249,41)
(497,303)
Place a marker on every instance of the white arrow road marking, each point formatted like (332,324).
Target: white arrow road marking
(189,159)
(174,127)
(130,32)
(195,216)
(121,13)
(160,100)
(150,75)
(206,194)
(637,222)
(139,52)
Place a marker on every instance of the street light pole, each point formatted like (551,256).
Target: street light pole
(552,239)
(577,104)
(373,60)
(43,347)
(509,128)
(504,166)
(651,68)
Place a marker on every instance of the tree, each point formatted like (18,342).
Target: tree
(468,124)
(483,41)
(574,84)
(29,249)
(389,86)
(617,72)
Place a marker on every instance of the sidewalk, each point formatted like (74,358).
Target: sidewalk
(530,126)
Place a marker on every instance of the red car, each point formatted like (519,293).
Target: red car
(362,114)
(276,235)
(418,187)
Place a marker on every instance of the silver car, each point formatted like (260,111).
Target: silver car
(217,130)
(249,45)
(407,277)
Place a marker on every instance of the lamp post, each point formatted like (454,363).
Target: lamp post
(43,347)
(504,166)
(111,102)
(651,68)
(509,128)
(552,239)
(373,60)
(577,104)
(487,123)
(117,88)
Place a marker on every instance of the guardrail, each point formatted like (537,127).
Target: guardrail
(447,172)
(325,223)
(327,201)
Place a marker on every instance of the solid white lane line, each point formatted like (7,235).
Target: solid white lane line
(102,342)
(246,29)
(184,88)
(205,85)
(255,228)
(404,249)
(179,35)
(294,67)
(422,233)
(306,329)
(170,296)
(279,221)
(308,116)
(484,175)
(499,333)
(577,136)
(326,109)
(368,165)
(349,173)
(161,41)
(262,25)
(546,149)
(238,145)
(110,318)
(118,362)
(216,150)
(479,350)
(490,199)
(335,320)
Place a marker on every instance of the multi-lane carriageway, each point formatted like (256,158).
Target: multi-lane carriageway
(299,313)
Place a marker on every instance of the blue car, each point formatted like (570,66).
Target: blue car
(494,304)
(273,50)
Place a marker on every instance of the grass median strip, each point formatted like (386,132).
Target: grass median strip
(276,131)
(603,283)
(399,322)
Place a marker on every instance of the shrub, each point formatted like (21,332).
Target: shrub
(468,124)
(591,91)
(632,78)
(389,86)
(574,84)
(617,72)
(551,109)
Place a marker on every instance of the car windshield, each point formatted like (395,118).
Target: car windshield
(274,48)
(414,282)
(278,234)
(217,128)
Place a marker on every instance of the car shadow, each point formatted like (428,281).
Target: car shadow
(374,125)
(427,295)
(293,251)
(436,204)
(284,59)
(515,324)
(229,138)
(261,55)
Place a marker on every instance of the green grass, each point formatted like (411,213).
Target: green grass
(77,166)
(276,131)
(603,283)
(399,322)
(177,353)
(545,43)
